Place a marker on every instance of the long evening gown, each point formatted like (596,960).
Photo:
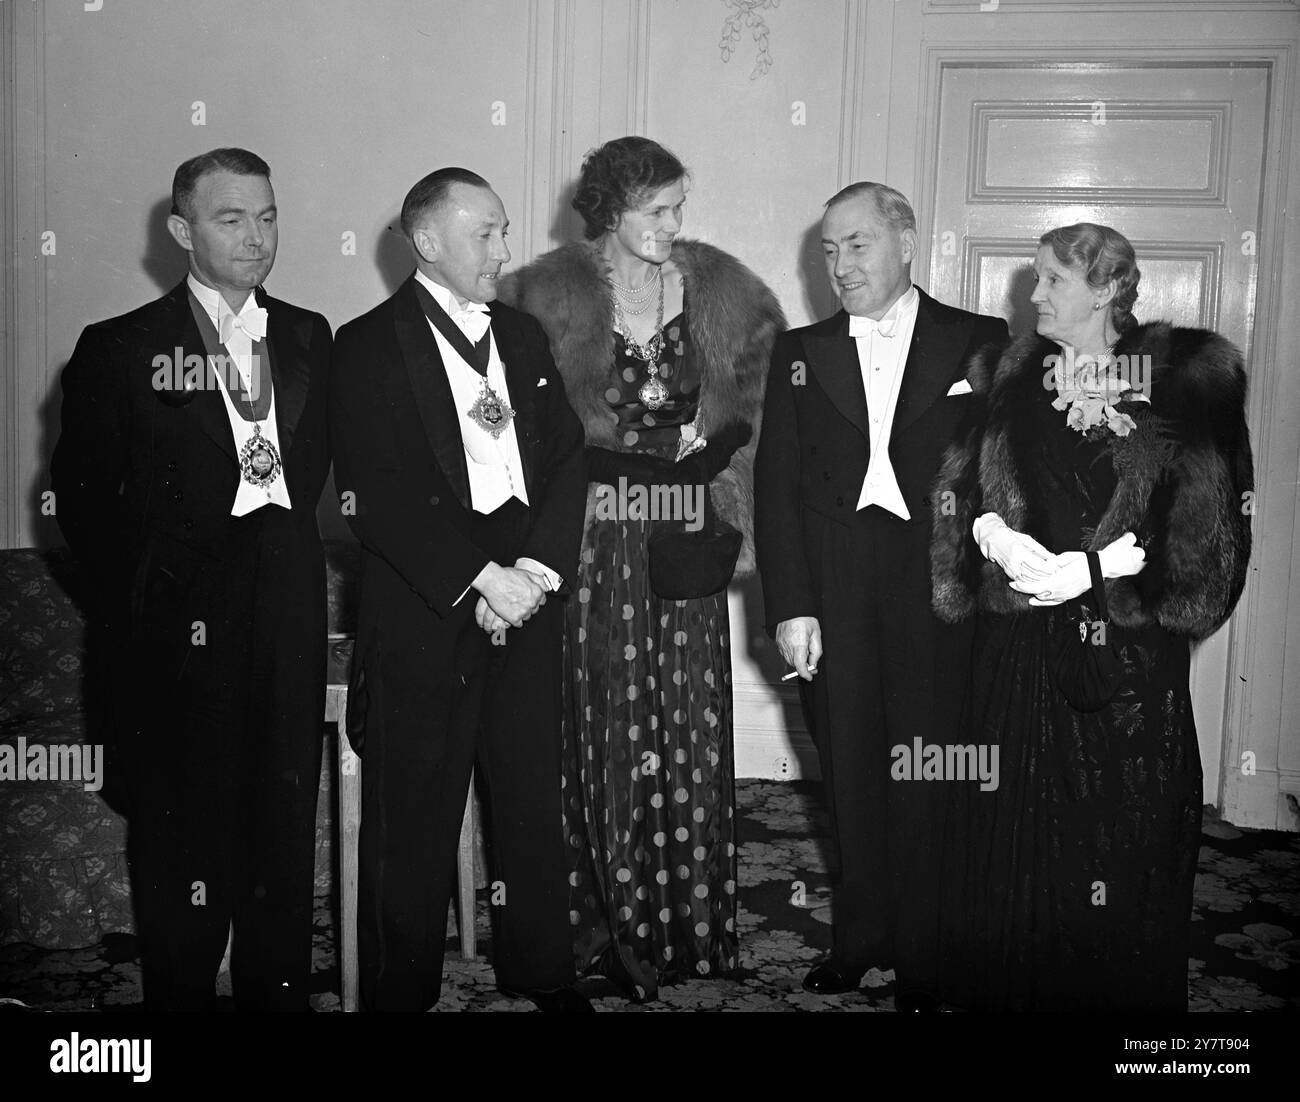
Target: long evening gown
(648,781)
(1070,886)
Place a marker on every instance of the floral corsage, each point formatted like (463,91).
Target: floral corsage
(1089,390)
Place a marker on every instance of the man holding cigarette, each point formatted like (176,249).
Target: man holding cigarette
(858,411)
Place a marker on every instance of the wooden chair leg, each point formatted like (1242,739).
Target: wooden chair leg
(349,776)
(465,875)
(225,960)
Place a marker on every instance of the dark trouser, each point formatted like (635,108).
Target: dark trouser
(225,768)
(891,673)
(438,700)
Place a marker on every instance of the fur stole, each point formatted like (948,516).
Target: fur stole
(732,321)
(1185,481)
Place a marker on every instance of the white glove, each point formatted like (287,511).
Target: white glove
(1022,558)
(1067,581)
(1122,558)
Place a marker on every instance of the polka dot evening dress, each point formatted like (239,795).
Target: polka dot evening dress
(648,774)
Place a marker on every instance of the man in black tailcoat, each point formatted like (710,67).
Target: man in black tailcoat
(460,467)
(192,454)
(858,411)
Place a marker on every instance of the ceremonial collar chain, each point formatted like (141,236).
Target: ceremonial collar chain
(490,411)
(259,459)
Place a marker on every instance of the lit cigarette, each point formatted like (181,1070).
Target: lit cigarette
(792,673)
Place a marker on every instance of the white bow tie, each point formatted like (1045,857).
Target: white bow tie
(864,327)
(251,321)
(473,320)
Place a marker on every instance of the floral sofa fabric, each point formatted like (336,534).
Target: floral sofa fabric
(63,877)
(63,872)
(42,637)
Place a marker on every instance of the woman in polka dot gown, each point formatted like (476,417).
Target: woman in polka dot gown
(663,345)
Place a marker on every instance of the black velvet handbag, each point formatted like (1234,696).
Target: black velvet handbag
(685,563)
(1082,659)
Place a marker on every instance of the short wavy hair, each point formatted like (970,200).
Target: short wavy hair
(619,176)
(431,192)
(1100,254)
(227,159)
(890,203)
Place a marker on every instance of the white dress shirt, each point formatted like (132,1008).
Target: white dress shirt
(496,471)
(240,346)
(882,355)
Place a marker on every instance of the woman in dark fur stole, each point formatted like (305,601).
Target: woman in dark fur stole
(1071,880)
(663,345)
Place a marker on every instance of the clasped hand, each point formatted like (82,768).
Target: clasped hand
(1121,558)
(509,596)
(698,468)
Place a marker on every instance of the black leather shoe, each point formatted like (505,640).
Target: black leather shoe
(831,978)
(559,1000)
(917,1002)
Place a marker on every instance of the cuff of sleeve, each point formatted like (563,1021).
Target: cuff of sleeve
(553,580)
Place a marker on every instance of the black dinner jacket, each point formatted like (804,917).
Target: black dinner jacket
(816,441)
(400,458)
(144,479)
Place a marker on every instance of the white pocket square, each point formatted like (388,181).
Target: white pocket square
(542,382)
(959,387)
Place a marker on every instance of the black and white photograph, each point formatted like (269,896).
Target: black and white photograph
(643,506)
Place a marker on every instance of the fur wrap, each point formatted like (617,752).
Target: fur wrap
(1184,476)
(732,320)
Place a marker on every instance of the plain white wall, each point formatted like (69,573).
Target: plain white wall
(349,103)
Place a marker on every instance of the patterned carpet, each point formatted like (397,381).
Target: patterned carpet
(1245,934)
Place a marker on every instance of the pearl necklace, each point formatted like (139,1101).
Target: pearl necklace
(637,302)
(652,393)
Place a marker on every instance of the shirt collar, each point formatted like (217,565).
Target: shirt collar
(903,307)
(448,301)
(215,303)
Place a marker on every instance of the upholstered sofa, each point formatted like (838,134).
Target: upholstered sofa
(63,871)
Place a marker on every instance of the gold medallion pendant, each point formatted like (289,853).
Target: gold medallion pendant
(490,413)
(258,460)
(653,393)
